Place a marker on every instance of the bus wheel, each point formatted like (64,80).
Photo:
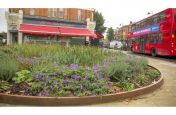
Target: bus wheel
(153,52)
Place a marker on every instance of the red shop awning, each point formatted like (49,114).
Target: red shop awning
(34,29)
(98,35)
(75,32)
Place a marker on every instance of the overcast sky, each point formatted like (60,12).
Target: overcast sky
(115,12)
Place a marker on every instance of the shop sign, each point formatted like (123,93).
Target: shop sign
(52,23)
(12,21)
(154,28)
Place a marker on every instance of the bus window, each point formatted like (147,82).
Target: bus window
(175,32)
(175,18)
(162,16)
(133,41)
(160,39)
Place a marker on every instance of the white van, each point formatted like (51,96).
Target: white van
(115,44)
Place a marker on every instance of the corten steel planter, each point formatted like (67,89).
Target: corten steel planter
(71,101)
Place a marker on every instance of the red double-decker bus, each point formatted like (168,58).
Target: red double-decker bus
(155,35)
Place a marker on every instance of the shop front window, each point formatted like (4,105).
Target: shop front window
(79,15)
(61,12)
(32,11)
(54,12)
(48,12)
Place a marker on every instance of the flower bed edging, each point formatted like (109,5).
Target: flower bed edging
(70,101)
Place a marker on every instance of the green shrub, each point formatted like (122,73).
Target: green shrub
(142,80)
(152,73)
(8,68)
(119,71)
(4,86)
(23,76)
(137,65)
(126,86)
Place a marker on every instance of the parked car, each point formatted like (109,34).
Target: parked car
(115,44)
(106,44)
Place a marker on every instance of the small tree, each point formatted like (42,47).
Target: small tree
(98,17)
(110,34)
(3,35)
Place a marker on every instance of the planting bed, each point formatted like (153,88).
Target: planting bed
(76,75)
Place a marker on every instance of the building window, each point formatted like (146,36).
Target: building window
(79,15)
(54,12)
(48,12)
(32,11)
(61,12)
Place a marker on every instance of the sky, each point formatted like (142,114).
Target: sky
(115,12)
(3,24)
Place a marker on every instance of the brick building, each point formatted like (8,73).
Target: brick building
(49,25)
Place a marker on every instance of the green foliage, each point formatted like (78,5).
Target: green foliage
(62,93)
(141,79)
(35,88)
(112,89)
(8,67)
(110,34)
(23,76)
(3,35)
(119,72)
(4,86)
(98,17)
(126,86)
(152,73)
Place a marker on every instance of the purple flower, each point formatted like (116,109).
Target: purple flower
(28,60)
(85,77)
(74,66)
(35,58)
(96,67)
(55,64)
(82,89)
(59,70)
(105,65)
(54,74)
(109,84)
(54,82)
(129,57)
(94,95)
(51,87)
(39,76)
(95,71)
(67,80)
(47,77)
(99,76)
(20,59)
(112,61)
(77,77)
(46,94)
